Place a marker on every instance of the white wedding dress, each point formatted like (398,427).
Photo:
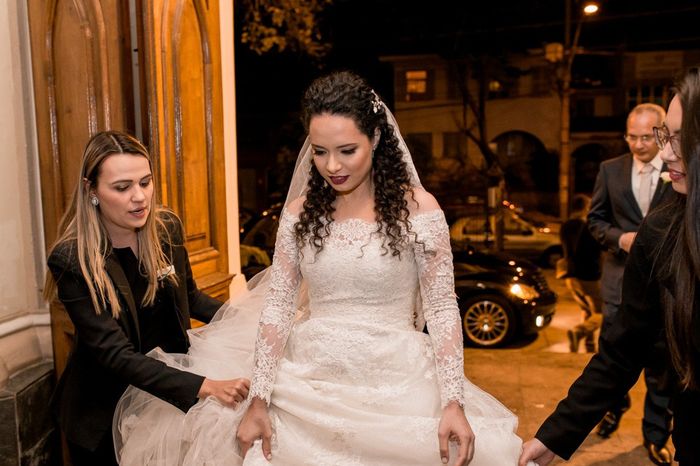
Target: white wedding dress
(351,382)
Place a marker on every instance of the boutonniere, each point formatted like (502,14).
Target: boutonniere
(665,177)
(166,272)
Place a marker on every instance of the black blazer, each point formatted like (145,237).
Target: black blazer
(615,211)
(625,349)
(107,357)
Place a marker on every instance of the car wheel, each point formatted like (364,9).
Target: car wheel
(551,256)
(487,321)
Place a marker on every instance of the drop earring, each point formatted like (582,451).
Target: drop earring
(94,201)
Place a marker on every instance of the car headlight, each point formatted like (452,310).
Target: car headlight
(522,291)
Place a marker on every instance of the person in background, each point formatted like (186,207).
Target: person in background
(626,189)
(120,268)
(582,255)
(660,302)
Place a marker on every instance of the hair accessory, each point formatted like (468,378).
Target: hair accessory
(376,102)
(94,201)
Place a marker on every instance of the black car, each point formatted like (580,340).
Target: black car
(500,296)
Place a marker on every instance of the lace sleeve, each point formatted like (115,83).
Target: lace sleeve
(278,311)
(436,276)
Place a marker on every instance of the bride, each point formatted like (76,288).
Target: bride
(341,374)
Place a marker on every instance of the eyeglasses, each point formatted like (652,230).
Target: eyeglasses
(663,137)
(646,138)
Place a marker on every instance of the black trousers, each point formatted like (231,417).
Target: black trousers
(686,428)
(102,456)
(656,424)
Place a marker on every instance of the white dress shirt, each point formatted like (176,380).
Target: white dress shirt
(637,166)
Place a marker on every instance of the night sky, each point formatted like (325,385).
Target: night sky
(269,87)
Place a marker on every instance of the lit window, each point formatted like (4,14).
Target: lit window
(419,85)
(417,82)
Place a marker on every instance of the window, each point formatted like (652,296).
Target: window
(454,145)
(657,94)
(416,82)
(583,107)
(418,85)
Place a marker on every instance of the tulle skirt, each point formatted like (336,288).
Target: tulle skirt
(346,393)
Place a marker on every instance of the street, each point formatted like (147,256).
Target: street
(531,380)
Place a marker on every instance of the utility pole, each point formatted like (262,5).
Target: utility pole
(565,125)
(567,61)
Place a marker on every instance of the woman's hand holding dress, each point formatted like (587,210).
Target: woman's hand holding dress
(536,451)
(229,392)
(254,425)
(275,324)
(454,426)
(436,276)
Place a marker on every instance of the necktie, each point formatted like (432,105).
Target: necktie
(645,188)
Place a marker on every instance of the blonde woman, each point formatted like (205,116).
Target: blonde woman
(121,270)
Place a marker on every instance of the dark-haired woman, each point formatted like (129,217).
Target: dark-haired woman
(354,381)
(120,269)
(660,298)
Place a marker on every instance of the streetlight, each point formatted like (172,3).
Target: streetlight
(570,48)
(591,8)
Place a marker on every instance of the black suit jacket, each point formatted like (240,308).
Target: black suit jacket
(627,347)
(107,357)
(615,211)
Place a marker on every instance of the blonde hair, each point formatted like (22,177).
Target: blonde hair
(82,224)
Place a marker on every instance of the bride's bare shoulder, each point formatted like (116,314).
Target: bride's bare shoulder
(421,201)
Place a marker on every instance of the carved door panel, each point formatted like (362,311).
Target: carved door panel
(181,52)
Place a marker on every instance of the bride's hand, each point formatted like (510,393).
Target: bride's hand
(454,426)
(228,392)
(254,425)
(536,451)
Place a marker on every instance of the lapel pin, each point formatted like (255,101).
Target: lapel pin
(166,272)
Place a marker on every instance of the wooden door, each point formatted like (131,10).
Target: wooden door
(82,84)
(182,56)
(83,64)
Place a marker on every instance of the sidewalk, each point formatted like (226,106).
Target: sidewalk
(531,381)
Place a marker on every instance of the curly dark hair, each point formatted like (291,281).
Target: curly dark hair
(346,94)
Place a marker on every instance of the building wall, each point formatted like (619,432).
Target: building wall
(532,112)
(24,320)
(538,116)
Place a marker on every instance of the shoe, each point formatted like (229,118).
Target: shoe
(609,424)
(590,344)
(658,454)
(574,340)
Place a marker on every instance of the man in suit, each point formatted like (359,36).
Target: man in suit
(626,188)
